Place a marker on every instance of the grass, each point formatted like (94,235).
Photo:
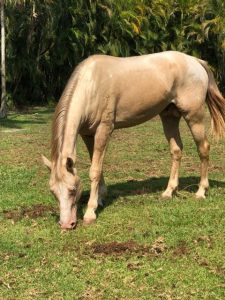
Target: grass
(141,247)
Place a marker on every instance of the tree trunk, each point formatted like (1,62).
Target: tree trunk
(3,109)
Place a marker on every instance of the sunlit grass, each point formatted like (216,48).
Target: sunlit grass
(155,249)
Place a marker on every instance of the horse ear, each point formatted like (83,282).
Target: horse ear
(46,162)
(70,165)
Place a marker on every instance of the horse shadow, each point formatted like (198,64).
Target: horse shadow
(140,187)
(34,117)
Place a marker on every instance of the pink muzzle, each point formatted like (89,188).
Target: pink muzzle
(67,225)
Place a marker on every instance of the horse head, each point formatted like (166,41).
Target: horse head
(65,185)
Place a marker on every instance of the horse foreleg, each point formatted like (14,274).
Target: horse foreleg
(171,130)
(101,139)
(89,142)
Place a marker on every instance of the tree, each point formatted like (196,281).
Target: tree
(3,110)
(47,39)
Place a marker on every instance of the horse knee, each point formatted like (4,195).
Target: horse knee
(204,149)
(95,175)
(176,153)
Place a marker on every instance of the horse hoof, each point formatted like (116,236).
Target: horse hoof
(166,196)
(88,221)
(199,196)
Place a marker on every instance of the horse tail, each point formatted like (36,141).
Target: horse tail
(216,104)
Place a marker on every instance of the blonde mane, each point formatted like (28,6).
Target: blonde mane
(60,115)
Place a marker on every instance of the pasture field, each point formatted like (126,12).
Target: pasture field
(141,247)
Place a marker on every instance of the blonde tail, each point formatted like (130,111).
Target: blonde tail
(216,104)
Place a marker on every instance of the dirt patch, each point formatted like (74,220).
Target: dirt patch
(134,266)
(214,269)
(120,248)
(33,212)
(204,240)
(159,245)
(181,250)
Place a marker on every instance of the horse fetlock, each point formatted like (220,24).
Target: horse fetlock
(170,191)
(203,187)
(204,184)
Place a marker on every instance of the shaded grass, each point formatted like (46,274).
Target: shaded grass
(38,261)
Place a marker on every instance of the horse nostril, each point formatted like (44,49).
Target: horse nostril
(73,224)
(67,225)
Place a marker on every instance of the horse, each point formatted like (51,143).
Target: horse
(105,93)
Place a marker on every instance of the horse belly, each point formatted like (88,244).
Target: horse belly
(134,108)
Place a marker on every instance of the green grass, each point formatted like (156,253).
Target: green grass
(141,247)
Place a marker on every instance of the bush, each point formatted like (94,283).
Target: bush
(47,39)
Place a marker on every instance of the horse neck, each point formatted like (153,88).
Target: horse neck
(69,142)
(73,122)
(75,97)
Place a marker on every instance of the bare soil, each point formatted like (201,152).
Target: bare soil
(33,212)
(119,248)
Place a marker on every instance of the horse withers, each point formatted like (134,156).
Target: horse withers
(105,93)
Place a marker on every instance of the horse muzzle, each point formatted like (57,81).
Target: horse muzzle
(70,225)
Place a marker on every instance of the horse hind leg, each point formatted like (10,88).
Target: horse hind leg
(195,122)
(170,119)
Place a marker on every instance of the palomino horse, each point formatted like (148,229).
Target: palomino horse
(105,93)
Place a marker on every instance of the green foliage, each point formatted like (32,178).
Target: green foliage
(47,39)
